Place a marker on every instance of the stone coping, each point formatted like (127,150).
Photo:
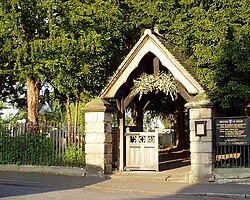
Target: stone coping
(98,105)
(57,170)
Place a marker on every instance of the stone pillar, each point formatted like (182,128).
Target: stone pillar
(98,137)
(201,146)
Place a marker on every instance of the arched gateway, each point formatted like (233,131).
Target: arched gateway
(137,149)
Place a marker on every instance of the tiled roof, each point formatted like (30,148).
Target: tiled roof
(176,53)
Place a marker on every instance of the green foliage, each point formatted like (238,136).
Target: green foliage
(30,149)
(2,106)
(148,83)
(76,45)
(84,37)
(35,148)
(74,156)
(23,29)
(12,91)
(81,115)
(215,35)
(23,33)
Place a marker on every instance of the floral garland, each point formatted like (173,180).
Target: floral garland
(148,83)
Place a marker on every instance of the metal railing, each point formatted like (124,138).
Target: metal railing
(48,144)
(232,156)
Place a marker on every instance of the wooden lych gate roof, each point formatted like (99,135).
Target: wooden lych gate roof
(154,45)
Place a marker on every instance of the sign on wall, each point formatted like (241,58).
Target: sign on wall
(232,130)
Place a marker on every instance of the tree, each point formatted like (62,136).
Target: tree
(73,45)
(214,35)
(84,40)
(12,91)
(24,26)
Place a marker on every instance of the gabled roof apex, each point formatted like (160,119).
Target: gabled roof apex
(151,42)
(147,31)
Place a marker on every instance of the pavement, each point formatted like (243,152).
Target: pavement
(178,174)
(165,183)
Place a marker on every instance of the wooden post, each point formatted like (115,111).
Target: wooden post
(156,67)
(121,137)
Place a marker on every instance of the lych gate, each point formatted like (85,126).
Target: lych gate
(138,149)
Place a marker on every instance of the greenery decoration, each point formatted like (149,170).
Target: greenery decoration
(148,83)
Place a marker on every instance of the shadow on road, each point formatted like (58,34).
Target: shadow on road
(16,185)
(21,183)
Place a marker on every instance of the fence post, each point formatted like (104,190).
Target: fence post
(98,137)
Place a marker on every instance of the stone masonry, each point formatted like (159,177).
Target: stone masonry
(201,147)
(98,137)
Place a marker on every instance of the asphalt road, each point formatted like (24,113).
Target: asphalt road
(14,191)
(34,186)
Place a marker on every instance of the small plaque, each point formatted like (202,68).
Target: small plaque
(200,128)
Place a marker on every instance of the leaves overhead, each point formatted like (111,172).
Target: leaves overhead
(215,34)
(76,45)
(84,37)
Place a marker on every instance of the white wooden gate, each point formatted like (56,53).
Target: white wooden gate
(142,150)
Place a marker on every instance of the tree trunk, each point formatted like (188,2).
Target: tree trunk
(68,114)
(76,115)
(33,89)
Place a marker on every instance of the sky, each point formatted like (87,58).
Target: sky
(7,111)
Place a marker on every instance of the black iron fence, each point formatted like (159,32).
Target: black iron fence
(232,142)
(49,144)
(232,156)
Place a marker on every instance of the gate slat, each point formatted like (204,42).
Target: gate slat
(142,150)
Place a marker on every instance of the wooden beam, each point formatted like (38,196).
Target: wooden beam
(146,104)
(156,64)
(122,106)
(184,93)
(128,99)
(118,104)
